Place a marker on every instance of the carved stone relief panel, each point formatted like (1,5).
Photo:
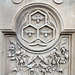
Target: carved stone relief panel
(53,62)
(38,27)
(37,48)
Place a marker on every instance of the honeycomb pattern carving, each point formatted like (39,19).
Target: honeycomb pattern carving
(38,17)
(38,29)
(47,33)
(38,32)
(29,33)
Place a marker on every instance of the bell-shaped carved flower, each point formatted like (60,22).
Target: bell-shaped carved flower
(12,47)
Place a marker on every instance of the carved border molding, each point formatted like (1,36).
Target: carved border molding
(19,1)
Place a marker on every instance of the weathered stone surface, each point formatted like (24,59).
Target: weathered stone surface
(37,37)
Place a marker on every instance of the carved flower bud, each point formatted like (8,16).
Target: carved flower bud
(29,34)
(45,34)
(21,61)
(31,71)
(14,69)
(18,52)
(48,69)
(62,61)
(66,55)
(53,62)
(43,71)
(60,70)
(63,50)
(9,55)
(12,47)
(13,55)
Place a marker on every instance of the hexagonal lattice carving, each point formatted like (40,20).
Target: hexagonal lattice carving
(47,33)
(38,17)
(38,28)
(29,33)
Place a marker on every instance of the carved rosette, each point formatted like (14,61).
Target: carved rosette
(39,49)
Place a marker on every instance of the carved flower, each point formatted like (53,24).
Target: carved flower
(12,47)
(63,50)
(15,69)
(11,52)
(53,62)
(32,72)
(43,72)
(18,52)
(66,56)
(21,62)
(62,61)
(48,69)
(60,70)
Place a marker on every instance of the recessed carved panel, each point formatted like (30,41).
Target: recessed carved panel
(38,17)
(47,33)
(54,62)
(29,33)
